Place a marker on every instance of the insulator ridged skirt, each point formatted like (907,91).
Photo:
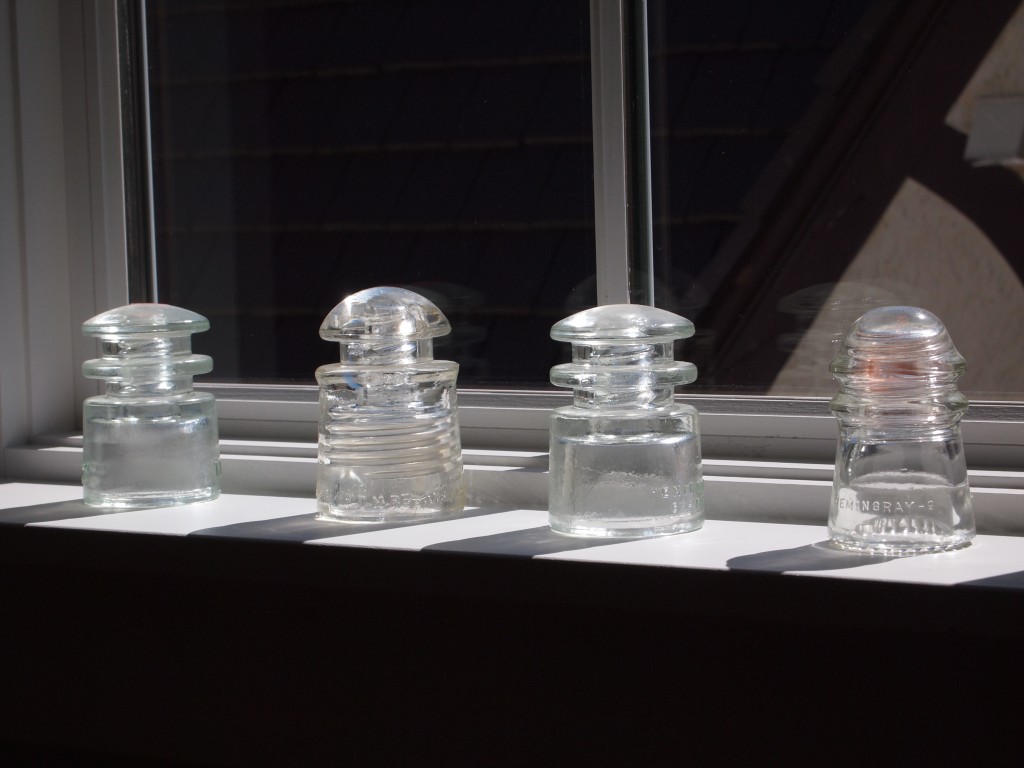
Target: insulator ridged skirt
(388,461)
(391,446)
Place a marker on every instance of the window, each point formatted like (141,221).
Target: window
(65,235)
(302,151)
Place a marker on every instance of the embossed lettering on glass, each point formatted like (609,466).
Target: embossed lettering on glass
(389,435)
(901,480)
(150,440)
(625,459)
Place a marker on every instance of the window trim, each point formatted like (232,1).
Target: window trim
(733,428)
(63,255)
(62,246)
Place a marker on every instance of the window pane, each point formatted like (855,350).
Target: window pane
(303,151)
(812,160)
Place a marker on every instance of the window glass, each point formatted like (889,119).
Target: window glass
(812,160)
(306,150)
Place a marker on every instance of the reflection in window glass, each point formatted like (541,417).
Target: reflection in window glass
(305,150)
(812,160)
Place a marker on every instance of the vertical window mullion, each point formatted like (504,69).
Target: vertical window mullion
(622,179)
(138,191)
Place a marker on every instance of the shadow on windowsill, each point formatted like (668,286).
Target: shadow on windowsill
(54,511)
(820,556)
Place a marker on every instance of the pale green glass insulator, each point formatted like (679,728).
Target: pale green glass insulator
(625,458)
(150,440)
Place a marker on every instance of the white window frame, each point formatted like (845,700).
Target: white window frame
(62,245)
(63,258)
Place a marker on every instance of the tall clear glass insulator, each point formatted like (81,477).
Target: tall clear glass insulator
(150,440)
(389,434)
(625,458)
(901,479)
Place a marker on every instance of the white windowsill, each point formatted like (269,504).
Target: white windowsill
(719,545)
